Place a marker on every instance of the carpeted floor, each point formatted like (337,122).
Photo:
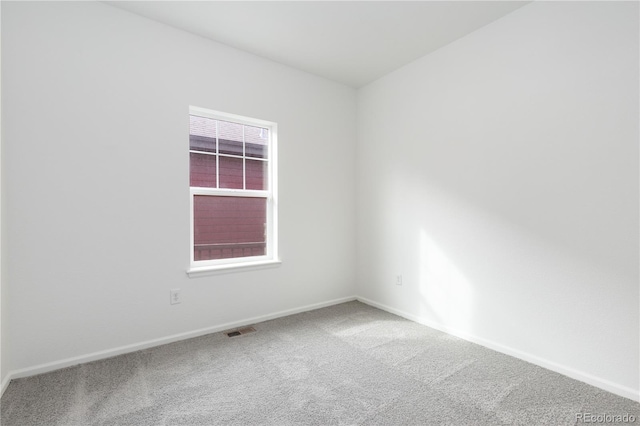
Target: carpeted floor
(348,364)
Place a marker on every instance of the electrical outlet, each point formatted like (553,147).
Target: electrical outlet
(398,279)
(176,296)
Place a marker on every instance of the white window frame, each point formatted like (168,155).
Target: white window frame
(206,267)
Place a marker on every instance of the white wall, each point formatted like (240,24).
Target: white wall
(499,175)
(3,299)
(95,114)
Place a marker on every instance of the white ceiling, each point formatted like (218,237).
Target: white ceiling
(352,42)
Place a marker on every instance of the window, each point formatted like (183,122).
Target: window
(232,174)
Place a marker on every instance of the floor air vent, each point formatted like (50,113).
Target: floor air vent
(240,332)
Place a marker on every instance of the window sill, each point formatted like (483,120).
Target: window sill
(236,267)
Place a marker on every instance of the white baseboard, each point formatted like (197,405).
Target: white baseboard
(4,384)
(582,376)
(94,356)
(558,368)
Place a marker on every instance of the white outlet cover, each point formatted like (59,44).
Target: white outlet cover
(175,296)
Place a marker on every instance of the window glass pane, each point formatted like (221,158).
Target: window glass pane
(200,143)
(256,174)
(229,227)
(202,134)
(256,140)
(203,170)
(230,172)
(229,138)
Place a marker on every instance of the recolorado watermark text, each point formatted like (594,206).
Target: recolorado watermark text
(605,418)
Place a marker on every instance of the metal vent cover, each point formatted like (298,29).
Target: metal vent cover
(240,332)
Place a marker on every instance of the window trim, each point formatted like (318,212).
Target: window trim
(270,259)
